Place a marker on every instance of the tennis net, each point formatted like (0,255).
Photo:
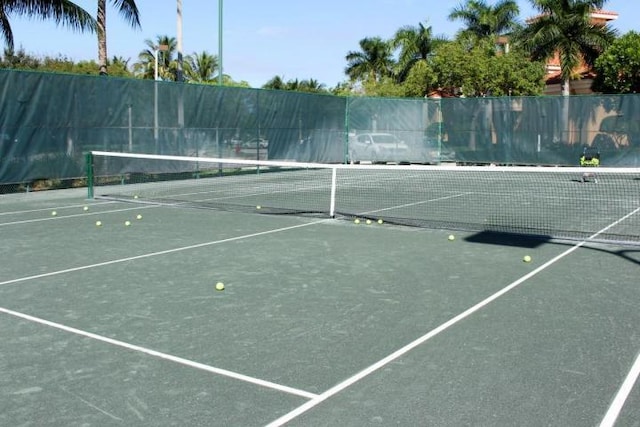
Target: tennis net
(601,204)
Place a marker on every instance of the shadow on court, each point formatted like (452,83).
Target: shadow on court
(508,239)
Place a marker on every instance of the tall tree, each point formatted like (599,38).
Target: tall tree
(618,68)
(119,66)
(373,62)
(276,82)
(200,67)
(480,71)
(310,85)
(128,10)
(20,60)
(565,28)
(415,44)
(61,11)
(167,67)
(483,20)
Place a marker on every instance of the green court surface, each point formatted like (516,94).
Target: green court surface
(322,322)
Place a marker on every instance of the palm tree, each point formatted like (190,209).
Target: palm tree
(565,28)
(167,67)
(119,61)
(311,85)
(118,65)
(483,20)
(201,67)
(416,44)
(373,62)
(61,11)
(276,82)
(129,12)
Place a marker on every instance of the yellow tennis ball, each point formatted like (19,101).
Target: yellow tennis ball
(368,222)
(526,258)
(135,197)
(219,286)
(54,213)
(452,237)
(380,221)
(127,223)
(258,207)
(98,223)
(357,221)
(139,216)
(86,208)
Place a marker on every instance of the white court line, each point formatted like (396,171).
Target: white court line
(437,199)
(163,356)
(54,208)
(152,254)
(443,327)
(54,218)
(621,397)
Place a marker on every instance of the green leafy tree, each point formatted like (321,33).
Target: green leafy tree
(385,87)
(276,82)
(201,67)
(450,64)
(60,64)
(483,20)
(85,67)
(372,63)
(415,44)
(342,89)
(565,28)
(310,85)
(618,68)
(61,11)
(128,10)
(420,80)
(19,60)
(228,81)
(516,75)
(480,71)
(119,67)
(167,66)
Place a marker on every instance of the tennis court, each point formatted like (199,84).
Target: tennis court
(322,321)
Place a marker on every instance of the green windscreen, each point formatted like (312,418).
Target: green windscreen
(48,121)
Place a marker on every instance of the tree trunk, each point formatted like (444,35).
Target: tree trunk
(102,37)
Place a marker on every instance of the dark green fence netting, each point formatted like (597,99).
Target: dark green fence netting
(48,121)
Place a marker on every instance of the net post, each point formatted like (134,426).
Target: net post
(332,207)
(89,168)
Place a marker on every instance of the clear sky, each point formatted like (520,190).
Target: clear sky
(261,39)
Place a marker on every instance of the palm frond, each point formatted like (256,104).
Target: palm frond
(129,11)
